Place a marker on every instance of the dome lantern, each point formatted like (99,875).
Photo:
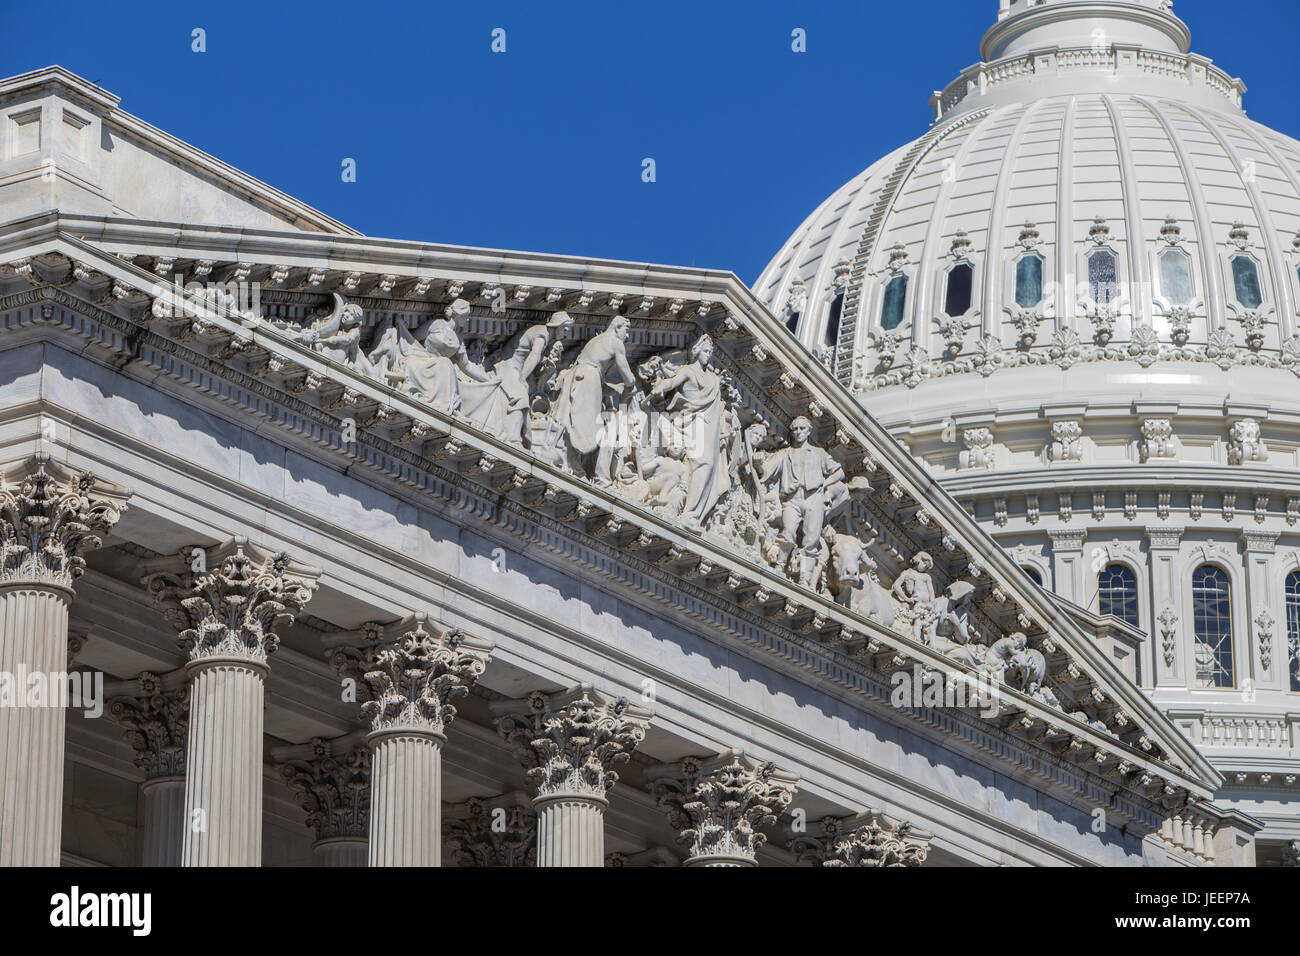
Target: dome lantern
(1025,25)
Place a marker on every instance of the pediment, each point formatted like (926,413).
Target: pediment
(384,360)
(69,146)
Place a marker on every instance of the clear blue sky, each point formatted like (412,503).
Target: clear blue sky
(540,148)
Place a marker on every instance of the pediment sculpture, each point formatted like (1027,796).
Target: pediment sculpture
(674,435)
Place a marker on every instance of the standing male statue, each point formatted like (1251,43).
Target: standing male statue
(809,483)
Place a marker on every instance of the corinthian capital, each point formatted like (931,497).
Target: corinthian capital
(499,831)
(717,804)
(49,517)
(229,601)
(868,839)
(410,672)
(569,742)
(331,779)
(156,712)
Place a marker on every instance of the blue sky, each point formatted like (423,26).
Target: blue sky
(541,147)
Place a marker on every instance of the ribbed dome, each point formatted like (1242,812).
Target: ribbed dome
(1056,153)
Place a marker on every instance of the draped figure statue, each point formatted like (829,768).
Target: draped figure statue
(578,413)
(501,407)
(430,362)
(699,411)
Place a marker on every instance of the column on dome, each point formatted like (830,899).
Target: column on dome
(407,675)
(1265,658)
(872,838)
(155,711)
(718,804)
(49,517)
(1163,545)
(568,744)
(492,831)
(227,604)
(331,779)
(1068,565)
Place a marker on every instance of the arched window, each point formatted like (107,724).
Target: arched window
(1245,281)
(1103,277)
(1029,281)
(1212,623)
(1175,276)
(1117,593)
(1033,574)
(891,310)
(832,335)
(792,323)
(1293,628)
(961,279)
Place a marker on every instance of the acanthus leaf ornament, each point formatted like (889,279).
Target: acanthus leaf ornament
(719,804)
(409,673)
(155,712)
(870,839)
(570,742)
(1264,638)
(331,779)
(498,831)
(50,517)
(234,604)
(1168,634)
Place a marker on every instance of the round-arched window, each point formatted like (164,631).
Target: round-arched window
(1117,593)
(1212,626)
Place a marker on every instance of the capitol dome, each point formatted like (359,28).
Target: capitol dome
(1075,300)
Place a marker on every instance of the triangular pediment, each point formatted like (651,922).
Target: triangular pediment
(1056,689)
(69,146)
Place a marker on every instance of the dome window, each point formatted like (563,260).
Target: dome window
(891,310)
(961,279)
(1029,281)
(1103,277)
(1176,277)
(832,334)
(1212,621)
(1245,280)
(1033,574)
(1117,593)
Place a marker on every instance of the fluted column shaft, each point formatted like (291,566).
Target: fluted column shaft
(227,603)
(162,822)
(406,798)
(568,744)
(223,781)
(340,851)
(570,830)
(411,672)
(33,640)
(49,518)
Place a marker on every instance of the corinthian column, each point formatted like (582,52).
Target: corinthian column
(332,781)
(717,805)
(227,605)
(567,743)
(869,839)
(49,517)
(411,672)
(156,710)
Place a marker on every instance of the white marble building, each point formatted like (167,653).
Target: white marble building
(397,553)
(1075,300)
